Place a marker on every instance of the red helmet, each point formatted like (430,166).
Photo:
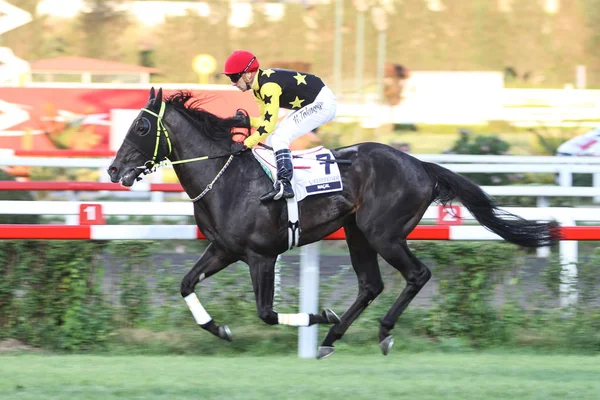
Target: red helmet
(240,61)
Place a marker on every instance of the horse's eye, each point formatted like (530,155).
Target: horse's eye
(142,126)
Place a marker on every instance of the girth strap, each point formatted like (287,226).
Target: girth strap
(293,223)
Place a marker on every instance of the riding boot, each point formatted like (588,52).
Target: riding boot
(285,170)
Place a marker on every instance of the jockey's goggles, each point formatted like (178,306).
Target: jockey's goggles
(236,77)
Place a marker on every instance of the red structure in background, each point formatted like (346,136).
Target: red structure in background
(79,118)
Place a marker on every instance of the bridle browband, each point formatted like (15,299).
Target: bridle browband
(152,165)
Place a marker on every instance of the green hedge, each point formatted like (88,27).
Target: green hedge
(54,294)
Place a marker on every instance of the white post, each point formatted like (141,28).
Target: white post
(596,183)
(309,298)
(157,177)
(565,177)
(381,25)
(72,219)
(338,47)
(277,282)
(361,8)
(580,77)
(543,252)
(568,275)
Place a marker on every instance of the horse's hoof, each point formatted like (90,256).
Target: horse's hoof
(386,344)
(324,352)
(225,332)
(330,316)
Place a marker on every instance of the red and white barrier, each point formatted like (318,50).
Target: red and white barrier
(165,232)
(62,153)
(90,186)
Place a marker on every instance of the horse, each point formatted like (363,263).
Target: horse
(385,194)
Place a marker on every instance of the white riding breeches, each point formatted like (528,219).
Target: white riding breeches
(304,120)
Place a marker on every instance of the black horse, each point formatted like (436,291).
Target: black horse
(385,194)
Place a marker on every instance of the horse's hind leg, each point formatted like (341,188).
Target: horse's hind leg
(212,261)
(416,274)
(262,272)
(370,285)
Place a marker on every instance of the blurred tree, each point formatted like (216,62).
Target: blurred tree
(592,20)
(101,26)
(414,39)
(26,40)
(180,39)
(563,36)
(526,51)
(463,34)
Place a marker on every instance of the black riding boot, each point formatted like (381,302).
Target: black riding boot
(283,187)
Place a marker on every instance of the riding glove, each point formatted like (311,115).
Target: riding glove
(238,147)
(241,119)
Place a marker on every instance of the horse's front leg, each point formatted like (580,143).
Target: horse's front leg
(262,272)
(212,261)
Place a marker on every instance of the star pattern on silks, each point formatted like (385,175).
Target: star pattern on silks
(268,117)
(297,103)
(267,99)
(261,130)
(268,72)
(300,78)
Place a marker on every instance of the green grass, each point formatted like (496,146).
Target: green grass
(398,376)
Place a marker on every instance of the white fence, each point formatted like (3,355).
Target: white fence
(563,167)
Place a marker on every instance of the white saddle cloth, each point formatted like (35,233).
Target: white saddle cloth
(312,173)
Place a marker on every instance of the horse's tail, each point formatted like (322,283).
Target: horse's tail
(512,228)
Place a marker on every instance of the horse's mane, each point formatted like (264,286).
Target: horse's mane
(205,122)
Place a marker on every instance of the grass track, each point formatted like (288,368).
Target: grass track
(398,376)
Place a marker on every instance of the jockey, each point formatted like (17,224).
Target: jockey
(311,102)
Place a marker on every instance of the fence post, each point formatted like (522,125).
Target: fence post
(542,202)
(72,219)
(309,298)
(277,282)
(568,274)
(565,177)
(157,177)
(596,183)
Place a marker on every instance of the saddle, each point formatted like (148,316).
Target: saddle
(314,171)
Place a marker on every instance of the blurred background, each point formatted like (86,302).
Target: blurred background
(505,92)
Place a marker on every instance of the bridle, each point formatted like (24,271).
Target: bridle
(152,165)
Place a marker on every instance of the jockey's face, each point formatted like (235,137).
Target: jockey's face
(244,83)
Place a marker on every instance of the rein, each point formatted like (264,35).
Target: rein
(152,165)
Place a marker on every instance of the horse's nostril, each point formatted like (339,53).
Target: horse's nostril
(113,170)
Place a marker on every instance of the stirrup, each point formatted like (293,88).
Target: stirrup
(286,191)
(277,193)
(274,194)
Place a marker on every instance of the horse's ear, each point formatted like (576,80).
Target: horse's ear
(152,94)
(158,99)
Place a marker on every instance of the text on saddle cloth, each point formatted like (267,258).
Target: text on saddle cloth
(314,173)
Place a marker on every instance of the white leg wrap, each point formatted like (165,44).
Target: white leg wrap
(300,319)
(199,313)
